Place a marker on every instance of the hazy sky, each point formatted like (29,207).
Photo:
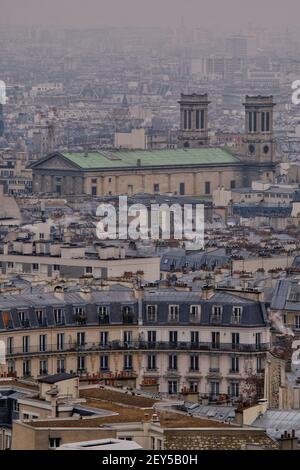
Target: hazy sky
(220,14)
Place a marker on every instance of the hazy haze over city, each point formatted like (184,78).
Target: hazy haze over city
(233,14)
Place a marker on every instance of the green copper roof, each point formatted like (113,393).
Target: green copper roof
(201,156)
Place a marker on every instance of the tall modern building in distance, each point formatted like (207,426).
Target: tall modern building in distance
(1,121)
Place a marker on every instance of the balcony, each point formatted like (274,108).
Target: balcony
(80,318)
(139,345)
(103,319)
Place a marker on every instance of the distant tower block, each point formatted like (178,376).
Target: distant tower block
(1,121)
(259,142)
(193,121)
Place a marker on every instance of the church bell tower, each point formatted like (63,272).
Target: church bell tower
(259,142)
(193,121)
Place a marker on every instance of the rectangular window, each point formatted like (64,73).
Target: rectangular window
(43,367)
(198,126)
(11,367)
(173,313)
(195,338)
(268,122)
(35,267)
(173,362)
(60,339)
(26,341)
(190,119)
(26,368)
(236,314)
(235,364)
(128,362)
(195,313)
(104,363)
(234,389)
(252,116)
(216,315)
(81,338)
(58,316)
(127,338)
(207,187)
(214,389)
(172,387)
(54,442)
(103,338)
(88,270)
(173,337)
(257,339)
(43,343)
(235,340)
(81,363)
(103,314)
(193,386)
(60,366)
(297,322)
(215,339)
(10,345)
(156,188)
(94,190)
(232,184)
(151,361)
(263,122)
(185,126)
(41,317)
(24,319)
(259,364)
(194,362)
(152,313)
(151,336)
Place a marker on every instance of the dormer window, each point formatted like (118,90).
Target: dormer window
(127,314)
(236,314)
(216,313)
(24,319)
(151,313)
(103,314)
(41,317)
(58,316)
(195,311)
(80,315)
(173,313)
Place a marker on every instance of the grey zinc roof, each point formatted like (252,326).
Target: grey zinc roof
(52,379)
(178,260)
(253,312)
(282,295)
(296,262)
(275,422)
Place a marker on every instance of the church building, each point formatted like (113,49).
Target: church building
(194,168)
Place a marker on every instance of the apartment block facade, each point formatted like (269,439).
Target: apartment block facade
(205,343)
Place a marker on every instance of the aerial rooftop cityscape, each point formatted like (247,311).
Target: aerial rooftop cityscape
(149,229)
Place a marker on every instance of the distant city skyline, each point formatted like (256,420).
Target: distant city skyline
(235,15)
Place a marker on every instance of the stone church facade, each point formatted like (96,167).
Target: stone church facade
(195,168)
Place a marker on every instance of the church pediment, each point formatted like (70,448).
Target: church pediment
(54,161)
